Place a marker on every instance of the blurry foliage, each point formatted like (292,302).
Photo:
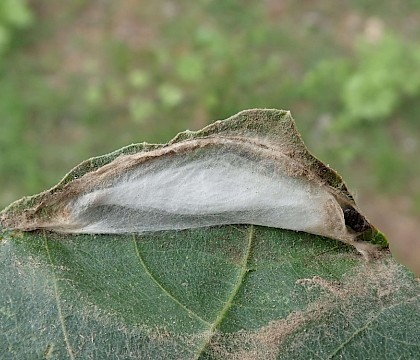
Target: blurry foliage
(384,77)
(14,14)
(372,85)
(366,94)
(74,87)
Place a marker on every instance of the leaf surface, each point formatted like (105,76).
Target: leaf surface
(213,293)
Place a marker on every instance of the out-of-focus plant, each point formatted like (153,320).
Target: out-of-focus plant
(385,76)
(363,96)
(371,86)
(14,14)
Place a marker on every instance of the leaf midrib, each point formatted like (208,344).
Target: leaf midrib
(244,269)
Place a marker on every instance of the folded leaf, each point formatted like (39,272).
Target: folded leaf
(252,168)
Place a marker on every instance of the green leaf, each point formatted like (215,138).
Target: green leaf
(213,293)
(208,293)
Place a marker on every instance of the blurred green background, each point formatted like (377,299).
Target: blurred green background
(82,78)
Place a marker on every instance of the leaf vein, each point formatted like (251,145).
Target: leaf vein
(387,337)
(239,282)
(352,336)
(367,325)
(58,301)
(161,287)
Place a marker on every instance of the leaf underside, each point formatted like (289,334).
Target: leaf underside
(215,293)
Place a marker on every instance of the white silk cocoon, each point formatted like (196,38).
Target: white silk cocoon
(196,190)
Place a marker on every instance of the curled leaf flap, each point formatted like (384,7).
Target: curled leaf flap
(309,196)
